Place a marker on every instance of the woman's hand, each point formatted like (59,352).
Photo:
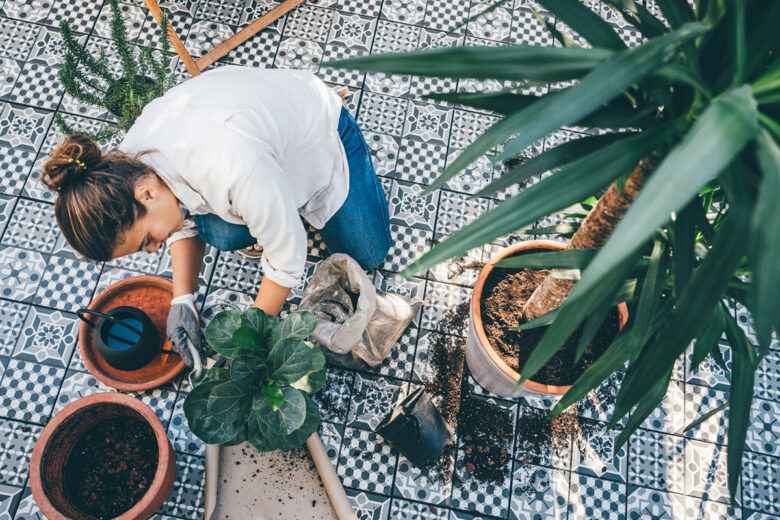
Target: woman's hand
(183,324)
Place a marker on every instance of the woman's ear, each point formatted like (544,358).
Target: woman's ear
(145,192)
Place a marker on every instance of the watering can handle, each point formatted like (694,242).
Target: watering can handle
(82,312)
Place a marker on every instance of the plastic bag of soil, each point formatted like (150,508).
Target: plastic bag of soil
(356,324)
(416,428)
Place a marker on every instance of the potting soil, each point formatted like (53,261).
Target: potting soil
(111,467)
(486,432)
(505,293)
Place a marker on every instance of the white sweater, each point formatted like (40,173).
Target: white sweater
(256,147)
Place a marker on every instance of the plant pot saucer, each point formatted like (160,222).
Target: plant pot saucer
(151,294)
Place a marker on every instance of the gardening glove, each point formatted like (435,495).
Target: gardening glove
(183,323)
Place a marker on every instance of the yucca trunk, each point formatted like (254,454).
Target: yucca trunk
(592,234)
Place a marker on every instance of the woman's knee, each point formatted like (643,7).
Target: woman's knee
(373,257)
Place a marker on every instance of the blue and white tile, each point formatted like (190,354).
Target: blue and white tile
(408,208)
(373,398)
(696,509)
(81,14)
(16,38)
(768,377)
(48,337)
(457,210)
(419,161)
(411,12)
(651,503)
(366,462)
(591,497)
(10,497)
(38,85)
(709,373)
(761,483)
(186,498)
(27,10)
(404,509)
(7,204)
(32,226)
(594,452)
(657,461)
(23,128)
(494,25)
(429,122)
(399,360)
(17,440)
(20,273)
(380,113)
(133,16)
(12,317)
(698,401)
(335,397)
(9,72)
(669,415)
(706,476)
(29,390)
(763,434)
(15,166)
(236,272)
(443,15)
(473,495)
(299,53)
(538,492)
(432,486)
(67,284)
(332,435)
(369,506)
(439,299)
(394,37)
(179,433)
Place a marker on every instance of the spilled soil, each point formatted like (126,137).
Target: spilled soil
(111,467)
(505,293)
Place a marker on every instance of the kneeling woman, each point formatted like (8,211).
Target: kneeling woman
(233,158)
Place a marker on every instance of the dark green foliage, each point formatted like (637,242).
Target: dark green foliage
(90,80)
(264,396)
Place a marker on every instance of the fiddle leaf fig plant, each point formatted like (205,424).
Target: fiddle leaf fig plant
(264,397)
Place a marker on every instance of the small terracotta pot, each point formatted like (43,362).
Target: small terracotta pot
(151,294)
(59,437)
(485,364)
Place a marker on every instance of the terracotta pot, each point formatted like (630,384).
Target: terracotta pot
(59,437)
(485,364)
(151,294)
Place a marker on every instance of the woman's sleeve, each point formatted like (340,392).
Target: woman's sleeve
(188,230)
(263,199)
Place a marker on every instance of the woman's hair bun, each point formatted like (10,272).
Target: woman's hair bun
(77,155)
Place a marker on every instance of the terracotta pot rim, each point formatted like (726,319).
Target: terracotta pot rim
(476,314)
(164,451)
(85,331)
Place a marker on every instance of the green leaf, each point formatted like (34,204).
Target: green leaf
(585,22)
(196,403)
(249,371)
(653,396)
(311,383)
(241,436)
(247,338)
(736,19)
(709,336)
(260,322)
(317,357)
(592,325)
(765,246)
(229,402)
(550,159)
(288,418)
(649,298)
(563,259)
(297,325)
(310,425)
(683,242)
(572,183)
(219,332)
(677,12)
(217,374)
(201,422)
(605,82)
(693,309)
(743,373)
(705,417)
(274,397)
(512,62)
(256,436)
(639,16)
(289,360)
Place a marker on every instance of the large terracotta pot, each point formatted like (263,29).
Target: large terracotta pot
(151,294)
(485,364)
(59,437)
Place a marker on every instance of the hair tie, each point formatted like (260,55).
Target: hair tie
(81,164)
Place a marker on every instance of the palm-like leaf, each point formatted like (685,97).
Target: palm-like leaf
(702,94)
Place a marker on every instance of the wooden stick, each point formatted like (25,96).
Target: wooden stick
(181,50)
(338,497)
(212,480)
(245,33)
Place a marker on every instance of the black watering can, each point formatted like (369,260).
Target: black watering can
(124,336)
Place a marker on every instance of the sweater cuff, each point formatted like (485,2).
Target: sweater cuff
(289,279)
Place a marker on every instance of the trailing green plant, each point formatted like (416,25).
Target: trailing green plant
(263,397)
(691,124)
(90,80)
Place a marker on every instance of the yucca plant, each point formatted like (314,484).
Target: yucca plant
(691,167)
(90,79)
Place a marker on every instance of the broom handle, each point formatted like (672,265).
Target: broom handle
(338,497)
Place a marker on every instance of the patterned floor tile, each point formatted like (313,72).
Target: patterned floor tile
(27,10)
(399,361)
(81,15)
(669,415)
(394,37)
(16,38)
(538,492)
(67,284)
(440,298)
(182,439)
(372,399)
(334,399)
(527,29)
(536,445)
(395,85)
(186,499)
(384,152)
(9,500)
(650,503)
(384,114)
(423,485)
(23,128)
(38,85)
(594,453)
(369,506)
(409,287)
(408,244)
(473,495)
(259,50)
(12,316)
(493,25)
(48,337)
(32,226)
(657,461)
(596,498)
(133,15)
(298,53)
(9,72)
(456,211)
(28,509)
(699,400)
(366,462)
(20,273)
(406,12)
(429,122)
(761,483)
(696,509)
(768,377)
(445,16)
(143,262)
(16,445)
(332,435)
(764,432)
(29,390)
(236,272)
(15,165)
(7,204)
(709,373)
(705,471)
(461,270)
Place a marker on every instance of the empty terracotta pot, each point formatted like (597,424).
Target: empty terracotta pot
(60,436)
(487,365)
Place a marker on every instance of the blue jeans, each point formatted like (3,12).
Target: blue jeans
(360,227)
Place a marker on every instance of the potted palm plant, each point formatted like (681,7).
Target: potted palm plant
(90,79)
(691,147)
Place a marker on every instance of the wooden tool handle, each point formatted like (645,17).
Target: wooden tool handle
(338,497)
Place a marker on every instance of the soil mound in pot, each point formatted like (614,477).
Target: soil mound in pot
(111,467)
(505,293)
